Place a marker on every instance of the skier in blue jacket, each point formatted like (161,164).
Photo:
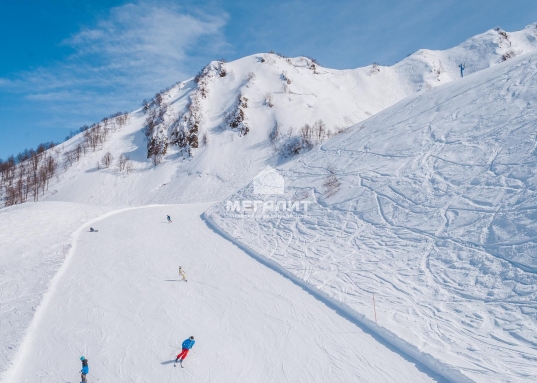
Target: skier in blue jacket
(85,369)
(186,346)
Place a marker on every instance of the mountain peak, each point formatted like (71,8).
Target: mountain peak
(233,118)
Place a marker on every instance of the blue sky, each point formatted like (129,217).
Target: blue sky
(69,63)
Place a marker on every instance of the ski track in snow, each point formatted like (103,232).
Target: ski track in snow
(118,301)
(435,215)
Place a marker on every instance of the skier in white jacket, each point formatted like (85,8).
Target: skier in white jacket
(182,274)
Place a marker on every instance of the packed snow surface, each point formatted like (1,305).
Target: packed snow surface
(118,300)
(35,238)
(431,205)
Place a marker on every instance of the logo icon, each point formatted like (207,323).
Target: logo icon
(269,181)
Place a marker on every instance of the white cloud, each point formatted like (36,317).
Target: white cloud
(152,39)
(130,54)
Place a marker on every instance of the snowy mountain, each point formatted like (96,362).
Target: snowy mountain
(420,189)
(212,134)
(431,206)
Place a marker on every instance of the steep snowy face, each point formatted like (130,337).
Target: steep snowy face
(431,205)
(262,96)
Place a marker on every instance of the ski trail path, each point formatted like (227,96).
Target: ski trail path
(119,302)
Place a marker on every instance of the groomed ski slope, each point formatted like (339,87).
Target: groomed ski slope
(34,239)
(477,312)
(435,211)
(118,301)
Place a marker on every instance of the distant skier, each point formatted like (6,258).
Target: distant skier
(85,369)
(187,345)
(91,229)
(462,69)
(169,219)
(182,274)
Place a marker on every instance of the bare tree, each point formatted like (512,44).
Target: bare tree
(306,132)
(146,105)
(11,196)
(122,162)
(158,99)
(275,132)
(107,159)
(70,157)
(91,139)
(129,167)
(331,185)
(43,179)
(77,151)
(122,118)
(320,130)
(50,166)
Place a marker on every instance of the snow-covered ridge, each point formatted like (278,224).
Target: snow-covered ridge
(431,205)
(263,78)
(213,133)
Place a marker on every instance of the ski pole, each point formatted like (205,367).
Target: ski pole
(93,376)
